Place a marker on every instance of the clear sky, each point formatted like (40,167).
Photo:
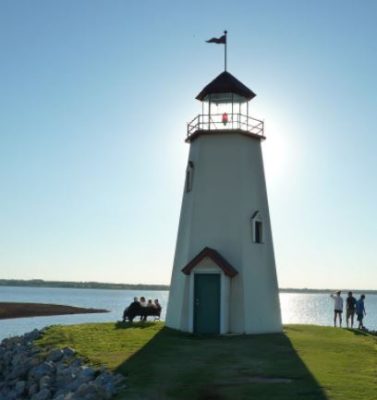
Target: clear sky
(94,100)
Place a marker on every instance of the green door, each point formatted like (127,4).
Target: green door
(207,303)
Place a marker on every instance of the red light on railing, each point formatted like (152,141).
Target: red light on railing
(224,118)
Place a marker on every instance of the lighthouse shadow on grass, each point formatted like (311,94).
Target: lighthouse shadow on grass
(175,365)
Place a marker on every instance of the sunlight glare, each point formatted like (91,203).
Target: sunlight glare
(276,152)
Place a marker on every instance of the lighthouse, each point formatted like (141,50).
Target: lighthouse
(224,276)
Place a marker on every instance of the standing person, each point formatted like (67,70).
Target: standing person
(360,311)
(351,308)
(338,307)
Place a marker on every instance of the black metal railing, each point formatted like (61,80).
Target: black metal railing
(225,122)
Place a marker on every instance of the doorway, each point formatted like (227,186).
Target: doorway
(207,303)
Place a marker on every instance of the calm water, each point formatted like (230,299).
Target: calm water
(296,308)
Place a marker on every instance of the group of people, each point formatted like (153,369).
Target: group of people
(353,307)
(142,308)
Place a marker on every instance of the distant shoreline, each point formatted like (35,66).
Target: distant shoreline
(22,310)
(327,291)
(40,283)
(80,285)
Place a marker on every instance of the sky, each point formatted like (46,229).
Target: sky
(94,100)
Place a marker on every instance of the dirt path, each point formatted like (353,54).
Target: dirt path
(20,310)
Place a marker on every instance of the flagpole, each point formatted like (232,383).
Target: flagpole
(225,50)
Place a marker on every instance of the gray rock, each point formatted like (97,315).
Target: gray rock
(19,358)
(75,371)
(55,355)
(20,388)
(77,362)
(7,357)
(46,368)
(90,391)
(33,389)
(118,379)
(61,391)
(19,371)
(33,335)
(59,397)
(110,390)
(10,395)
(68,352)
(61,367)
(45,382)
(63,377)
(73,385)
(43,394)
(27,373)
(82,390)
(35,360)
(103,378)
(86,374)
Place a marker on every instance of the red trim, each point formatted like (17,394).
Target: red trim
(216,257)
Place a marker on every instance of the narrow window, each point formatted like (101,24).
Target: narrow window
(258,232)
(257,227)
(189,176)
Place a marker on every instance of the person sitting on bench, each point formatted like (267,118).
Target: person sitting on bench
(158,307)
(136,309)
(132,308)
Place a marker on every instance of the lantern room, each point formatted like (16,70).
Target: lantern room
(225,107)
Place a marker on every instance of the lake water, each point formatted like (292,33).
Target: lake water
(301,308)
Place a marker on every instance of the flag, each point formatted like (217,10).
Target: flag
(220,40)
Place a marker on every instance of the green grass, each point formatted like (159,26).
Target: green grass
(317,362)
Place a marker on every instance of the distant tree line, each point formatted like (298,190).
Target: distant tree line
(141,286)
(80,285)
(345,291)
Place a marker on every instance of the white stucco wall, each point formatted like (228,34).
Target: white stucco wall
(228,187)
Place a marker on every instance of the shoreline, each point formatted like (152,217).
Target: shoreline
(11,310)
(41,284)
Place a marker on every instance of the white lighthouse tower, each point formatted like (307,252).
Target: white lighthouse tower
(224,277)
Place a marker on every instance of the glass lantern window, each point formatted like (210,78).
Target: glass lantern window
(218,98)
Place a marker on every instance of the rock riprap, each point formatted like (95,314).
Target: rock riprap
(30,372)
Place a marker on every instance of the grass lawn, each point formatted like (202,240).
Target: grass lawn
(306,362)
